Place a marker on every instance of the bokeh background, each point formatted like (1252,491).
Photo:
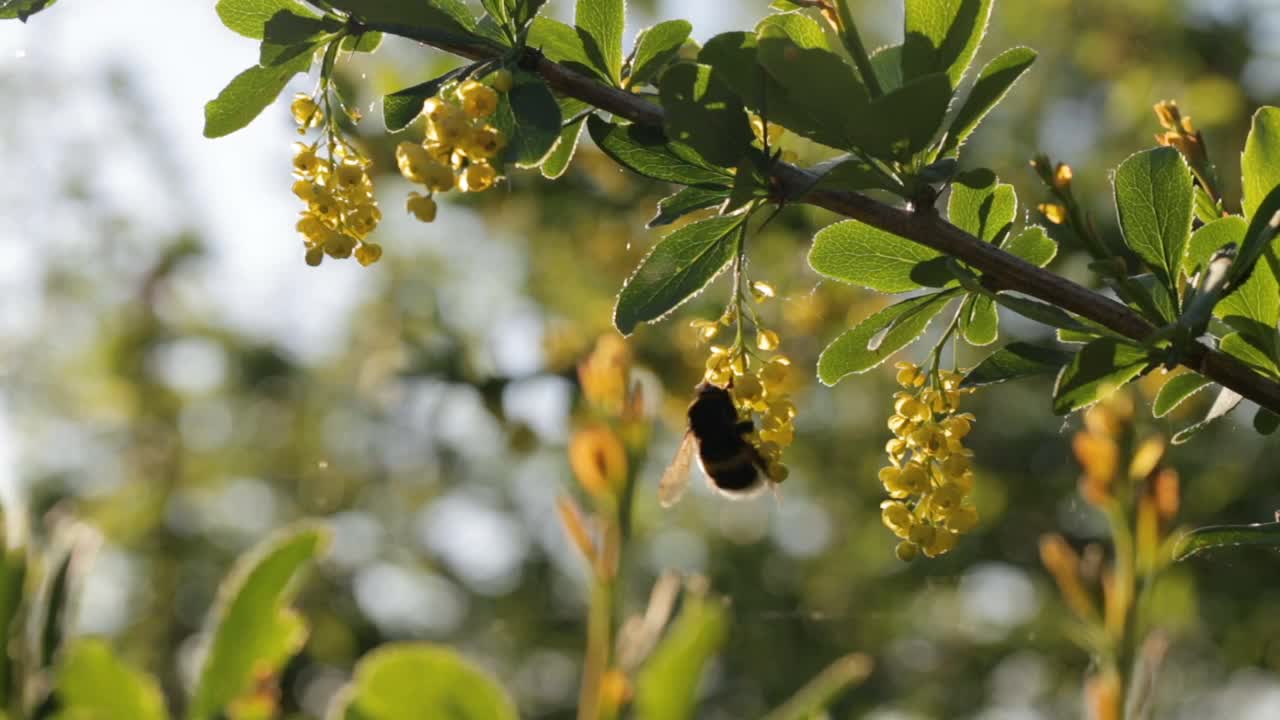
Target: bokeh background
(172,373)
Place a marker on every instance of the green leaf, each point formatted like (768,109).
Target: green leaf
(1260,163)
(979,320)
(421,680)
(655,47)
(1259,240)
(851,173)
(907,118)
(13,576)
(248,94)
(563,44)
(703,113)
(93,683)
(667,683)
(558,159)
(1050,315)
(878,337)
(1215,536)
(447,16)
(249,17)
(647,151)
(982,206)
(806,79)
(365,42)
(288,36)
(51,620)
(497,10)
(601,23)
(402,107)
(1226,401)
(1099,369)
(529,116)
(822,690)
(994,82)
(853,252)
(1153,192)
(1015,361)
(1176,391)
(887,64)
(1250,350)
(22,9)
(942,36)
(1257,301)
(677,268)
(1034,245)
(687,200)
(252,631)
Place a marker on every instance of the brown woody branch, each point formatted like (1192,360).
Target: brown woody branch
(1005,270)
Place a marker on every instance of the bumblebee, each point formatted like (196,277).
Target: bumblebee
(717,436)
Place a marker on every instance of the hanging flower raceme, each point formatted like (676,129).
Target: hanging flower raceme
(759,383)
(929,477)
(332,178)
(459,146)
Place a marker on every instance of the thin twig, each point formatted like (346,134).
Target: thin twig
(1007,271)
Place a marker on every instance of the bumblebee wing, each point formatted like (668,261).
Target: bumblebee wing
(676,477)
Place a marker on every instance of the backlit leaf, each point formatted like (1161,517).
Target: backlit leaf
(1100,368)
(878,337)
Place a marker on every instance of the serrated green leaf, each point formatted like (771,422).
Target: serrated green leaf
(647,151)
(806,76)
(982,206)
(1176,391)
(1153,192)
(1259,240)
(557,161)
(1226,401)
(943,36)
(249,17)
(1075,337)
(853,252)
(994,82)
(1251,351)
(402,107)
(703,113)
(851,173)
(601,23)
(252,630)
(655,47)
(247,95)
(1100,368)
(497,10)
(421,680)
(1260,163)
(93,683)
(1034,245)
(563,44)
(679,267)
(1015,361)
(51,618)
(879,336)
(22,9)
(446,16)
(1257,301)
(887,64)
(1215,536)
(287,36)
(687,200)
(667,684)
(365,42)
(979,320)
(529,116)
(908,118)
(1050,315)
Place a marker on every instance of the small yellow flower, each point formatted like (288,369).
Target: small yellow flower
(479,101)
(368,254)
(767,340)
(306,113)
(762,291)
(477,177)
(1053,212)
(422,207)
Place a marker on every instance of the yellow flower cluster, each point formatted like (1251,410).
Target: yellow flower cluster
(761,388)
(460,144)
(929,478)
(335,184)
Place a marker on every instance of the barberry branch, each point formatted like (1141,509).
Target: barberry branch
(1004,270)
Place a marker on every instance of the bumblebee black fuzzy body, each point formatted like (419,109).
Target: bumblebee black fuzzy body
(717,436)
